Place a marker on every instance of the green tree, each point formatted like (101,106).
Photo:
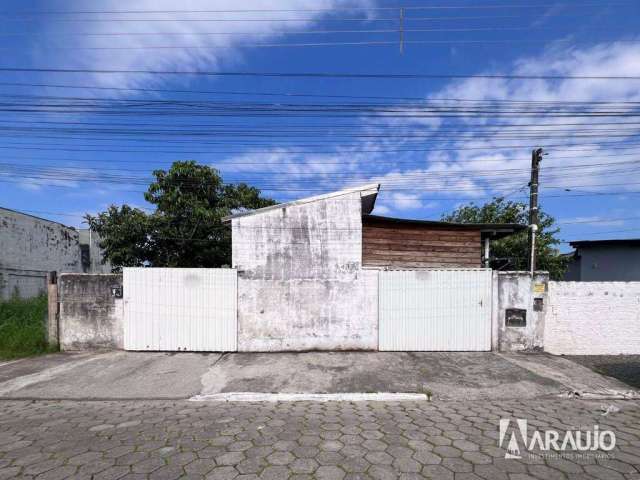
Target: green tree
(124,235)
(186,229)
(512,252)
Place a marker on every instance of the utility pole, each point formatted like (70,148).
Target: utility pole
(536,157)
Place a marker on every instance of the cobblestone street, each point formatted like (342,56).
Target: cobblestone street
(167,440)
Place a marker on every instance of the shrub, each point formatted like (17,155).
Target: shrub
(23,329)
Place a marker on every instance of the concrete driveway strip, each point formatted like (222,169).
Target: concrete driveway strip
(112,375)
(442,375)
(27,366)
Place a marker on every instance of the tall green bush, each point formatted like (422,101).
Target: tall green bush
(23,330)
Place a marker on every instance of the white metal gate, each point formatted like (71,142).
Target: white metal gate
(435,310)
(180,309)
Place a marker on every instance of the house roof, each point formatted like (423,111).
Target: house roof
(492,230)
(37,218)
(631,242)
(368,193)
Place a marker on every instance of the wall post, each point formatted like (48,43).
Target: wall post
(52,311)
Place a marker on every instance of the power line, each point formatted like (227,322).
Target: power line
(404,182)
(493,148)
(326,10)
(598,221)
(420,103)
(423,99)
(288,32)
(528,127)
(422,175)
(363,43)
(291,190)
(627,166)
(321,74)
(603,233)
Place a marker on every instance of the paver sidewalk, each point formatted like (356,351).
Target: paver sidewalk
(377,440)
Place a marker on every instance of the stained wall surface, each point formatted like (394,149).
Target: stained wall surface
(30,247)
(301,285)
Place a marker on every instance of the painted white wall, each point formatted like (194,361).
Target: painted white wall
(593,318)
(301,285)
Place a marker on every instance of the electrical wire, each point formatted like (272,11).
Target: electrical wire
(397,76)
(497,6)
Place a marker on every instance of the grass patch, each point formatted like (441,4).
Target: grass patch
(23,328)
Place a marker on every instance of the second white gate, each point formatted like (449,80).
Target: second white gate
(435,310)
(180,309)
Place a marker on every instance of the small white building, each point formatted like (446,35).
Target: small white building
(308,269)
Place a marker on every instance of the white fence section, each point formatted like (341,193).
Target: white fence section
(593,318)
(435,310)
(180,309)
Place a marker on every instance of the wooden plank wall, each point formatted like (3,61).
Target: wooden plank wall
(409,246)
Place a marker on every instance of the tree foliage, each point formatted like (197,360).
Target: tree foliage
(186,229)
(513,251)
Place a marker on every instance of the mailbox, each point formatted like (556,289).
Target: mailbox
(515,317)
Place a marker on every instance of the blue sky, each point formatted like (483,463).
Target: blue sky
(77,142)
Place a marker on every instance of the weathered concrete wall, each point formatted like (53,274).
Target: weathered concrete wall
(593,318)
(29,248)
(300,281)
(93,263)
(519,290)
(90,317)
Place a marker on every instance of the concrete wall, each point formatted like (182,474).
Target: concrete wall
(29,248)
(593,318)
(605,263)
(300,281)
(90,317)
(519,290)
(94,262)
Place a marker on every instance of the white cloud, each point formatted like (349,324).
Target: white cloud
(406,201)
(473,158)
(480,167)
(37,183)
(175,29)
(381,209)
